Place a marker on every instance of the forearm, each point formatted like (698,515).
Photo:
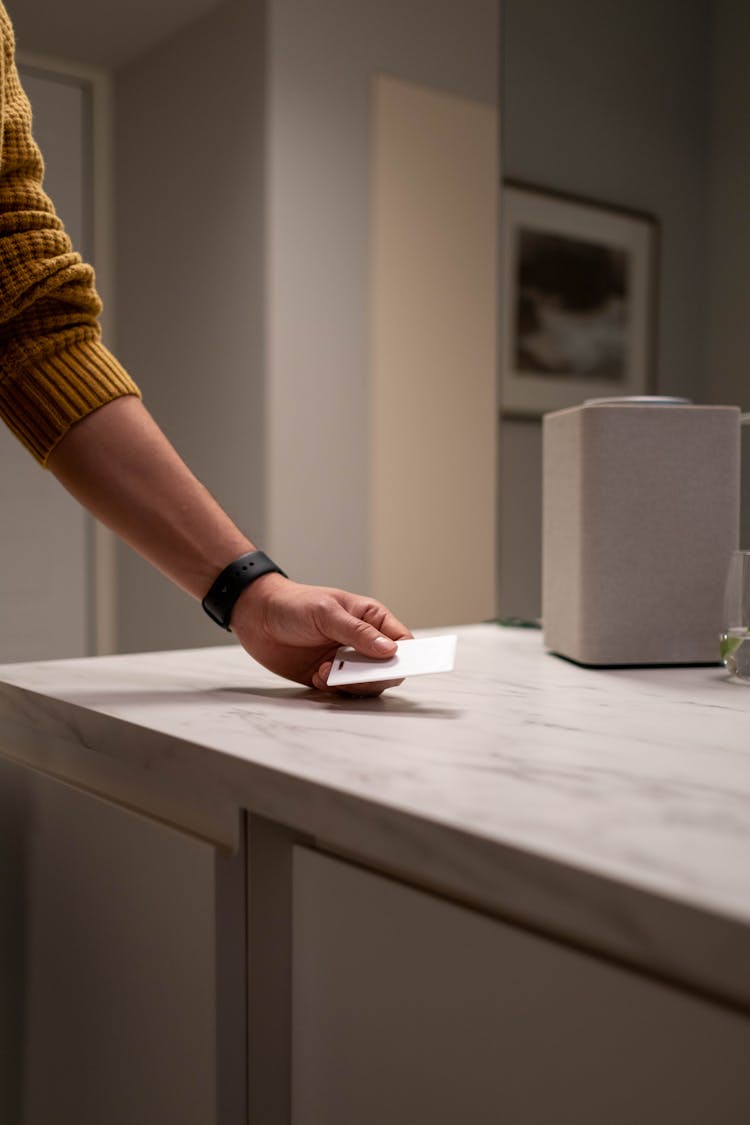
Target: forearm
(121,467)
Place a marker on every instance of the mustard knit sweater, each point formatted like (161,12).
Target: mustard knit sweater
(54,370)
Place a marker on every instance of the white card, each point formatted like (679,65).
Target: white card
(413,658)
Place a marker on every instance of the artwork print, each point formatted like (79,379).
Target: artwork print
(576,292)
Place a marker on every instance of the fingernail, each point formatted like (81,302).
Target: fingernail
(382,644)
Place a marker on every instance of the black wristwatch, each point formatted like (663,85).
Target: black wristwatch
(220,599)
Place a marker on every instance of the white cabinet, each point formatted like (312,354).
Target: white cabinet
(411,1010)
(119,1022)
(403,935)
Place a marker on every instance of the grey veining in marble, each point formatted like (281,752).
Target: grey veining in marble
(612,806)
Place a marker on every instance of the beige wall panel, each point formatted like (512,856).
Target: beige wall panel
(434,338)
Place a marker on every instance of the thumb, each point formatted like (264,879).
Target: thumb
(343,627)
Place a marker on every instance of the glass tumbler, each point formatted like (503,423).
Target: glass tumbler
(735,635)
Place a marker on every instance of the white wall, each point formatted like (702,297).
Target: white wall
(189,206)
(102,33)
(609,100)
(727,373)
(244,279)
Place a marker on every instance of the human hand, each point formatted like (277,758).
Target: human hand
(295,630)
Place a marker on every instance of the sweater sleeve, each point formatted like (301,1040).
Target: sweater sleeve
(54,369)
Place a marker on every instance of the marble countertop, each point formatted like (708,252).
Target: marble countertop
(609,808)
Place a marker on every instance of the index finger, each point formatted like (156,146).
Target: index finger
(375,613)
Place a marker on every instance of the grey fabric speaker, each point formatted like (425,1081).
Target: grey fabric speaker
(640,516)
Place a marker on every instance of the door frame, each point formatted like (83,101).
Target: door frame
(98,87)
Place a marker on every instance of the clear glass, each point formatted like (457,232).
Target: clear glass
(735,635)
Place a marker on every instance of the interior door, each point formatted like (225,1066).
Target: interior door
(46,602)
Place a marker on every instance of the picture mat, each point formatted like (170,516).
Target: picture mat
(527,392)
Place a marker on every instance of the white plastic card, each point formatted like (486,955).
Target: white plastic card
(416,657)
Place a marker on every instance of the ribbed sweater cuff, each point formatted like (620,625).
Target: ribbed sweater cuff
(41,402)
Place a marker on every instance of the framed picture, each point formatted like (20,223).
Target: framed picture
(577,284)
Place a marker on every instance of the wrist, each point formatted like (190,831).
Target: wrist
(234,581)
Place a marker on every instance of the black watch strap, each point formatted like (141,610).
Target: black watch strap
(219,601)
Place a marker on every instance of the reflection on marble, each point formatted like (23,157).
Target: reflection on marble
(609,806)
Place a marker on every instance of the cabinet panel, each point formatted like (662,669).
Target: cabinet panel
(409,1009)
(120,991)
